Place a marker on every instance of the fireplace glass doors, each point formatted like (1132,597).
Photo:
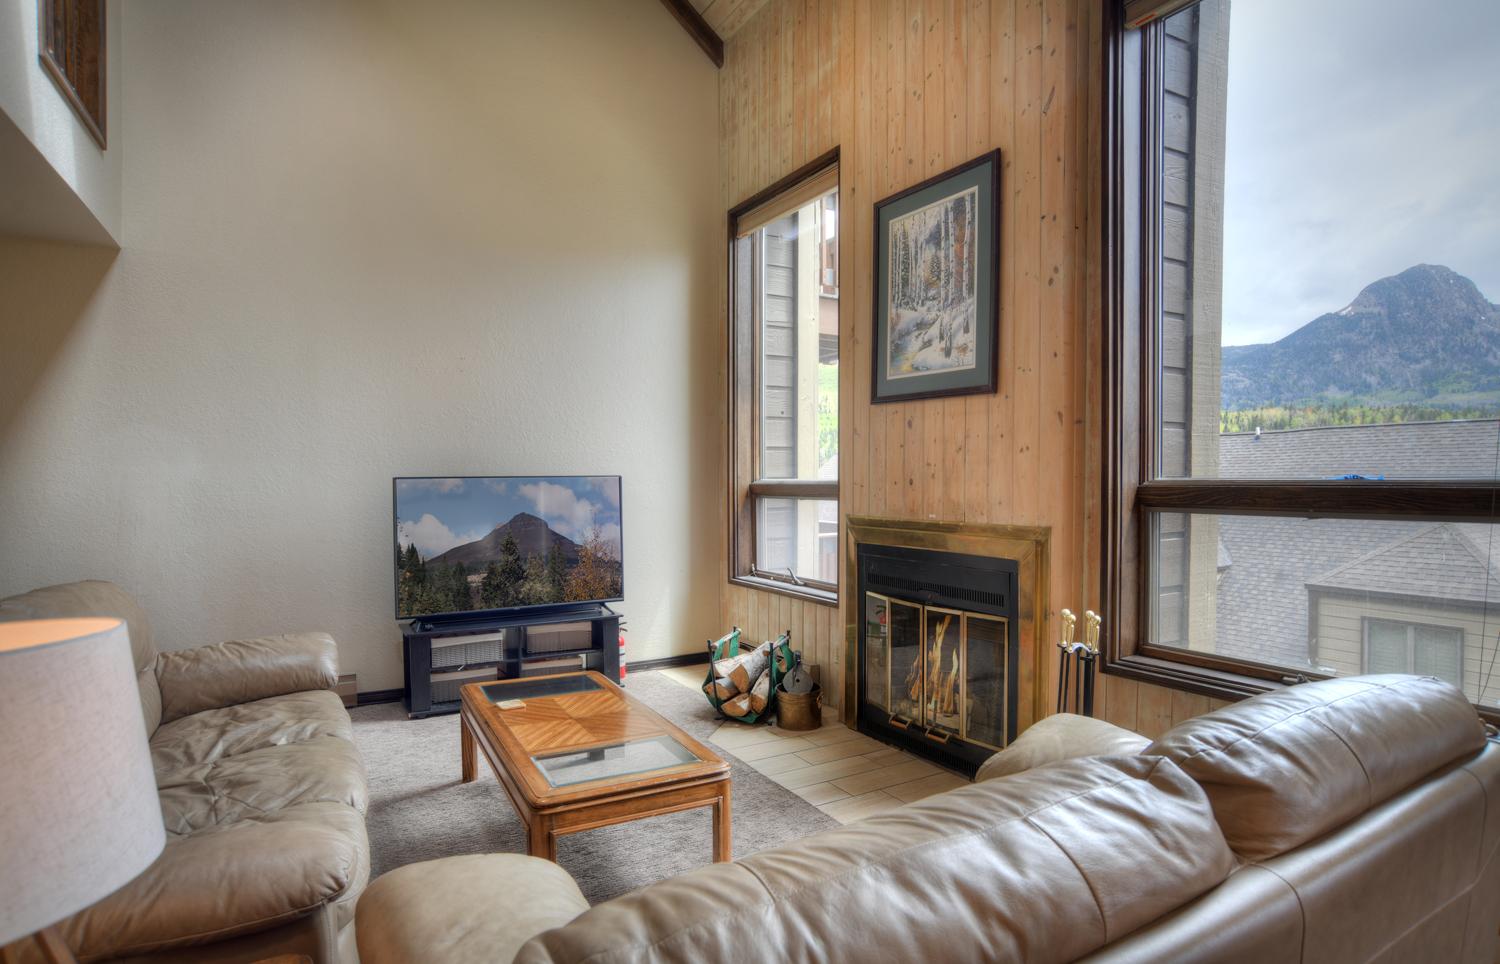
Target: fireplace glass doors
(937,647)
(942,671)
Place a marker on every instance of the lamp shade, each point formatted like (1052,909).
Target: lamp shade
(79,816)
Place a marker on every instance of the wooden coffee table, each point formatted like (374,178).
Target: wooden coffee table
(582,754)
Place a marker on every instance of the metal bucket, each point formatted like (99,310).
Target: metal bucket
(799,711)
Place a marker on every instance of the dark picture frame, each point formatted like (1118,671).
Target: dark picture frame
(943,282)
(71,47)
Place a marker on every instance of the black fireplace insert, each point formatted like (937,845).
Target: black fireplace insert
(938,652)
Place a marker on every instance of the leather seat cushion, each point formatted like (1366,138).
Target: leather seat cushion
(1046,865)
(480,907)
(243,786)
(1289,766)
(1062,736)
(229,879)
(212,734)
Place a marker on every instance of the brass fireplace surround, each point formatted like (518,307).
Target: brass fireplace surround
(1027,545)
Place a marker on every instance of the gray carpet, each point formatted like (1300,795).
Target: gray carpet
(419,810)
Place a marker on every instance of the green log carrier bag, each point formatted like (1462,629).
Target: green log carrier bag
(746,690)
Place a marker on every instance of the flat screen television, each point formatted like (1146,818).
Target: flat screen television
(497,544)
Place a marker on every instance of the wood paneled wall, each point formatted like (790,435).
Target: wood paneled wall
(907,89)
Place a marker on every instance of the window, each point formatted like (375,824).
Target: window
(1303,399)
(784,386)
(1412,648)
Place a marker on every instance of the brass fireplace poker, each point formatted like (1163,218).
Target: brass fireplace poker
(1078,663)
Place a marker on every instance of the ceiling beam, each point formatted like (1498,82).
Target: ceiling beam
(692,21)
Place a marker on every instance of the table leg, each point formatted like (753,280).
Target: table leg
(466,749)
(723,846)
(540,840)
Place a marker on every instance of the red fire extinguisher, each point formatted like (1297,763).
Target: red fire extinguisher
(622,657)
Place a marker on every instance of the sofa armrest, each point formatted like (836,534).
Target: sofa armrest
(480,907)
(242,670)
(1062,736)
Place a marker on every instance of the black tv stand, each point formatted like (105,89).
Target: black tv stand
(471,649)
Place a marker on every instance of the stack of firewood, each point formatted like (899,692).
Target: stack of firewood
(743,682)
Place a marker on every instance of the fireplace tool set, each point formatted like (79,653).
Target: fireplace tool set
(1078,663)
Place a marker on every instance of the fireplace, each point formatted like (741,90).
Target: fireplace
(942,637)
(939,652)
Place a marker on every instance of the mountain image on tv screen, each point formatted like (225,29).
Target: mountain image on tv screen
(475,544)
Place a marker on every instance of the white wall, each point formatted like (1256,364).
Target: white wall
(364,239)
(38,114)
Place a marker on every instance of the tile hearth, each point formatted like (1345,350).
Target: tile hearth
(844,773)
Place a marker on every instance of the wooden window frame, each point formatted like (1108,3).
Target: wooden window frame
(1132,493)
(743,399)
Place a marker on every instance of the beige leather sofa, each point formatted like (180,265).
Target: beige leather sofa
(262,792)
(1349,820)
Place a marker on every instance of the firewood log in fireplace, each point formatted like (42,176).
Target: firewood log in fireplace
(931,668)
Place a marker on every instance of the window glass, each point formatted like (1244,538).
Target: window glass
(1435,652)
(797,536)
(1328,240)
(1387,652)
(796,316)
(1337,597)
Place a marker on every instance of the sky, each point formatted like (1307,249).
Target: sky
(438,514)
(1363,137)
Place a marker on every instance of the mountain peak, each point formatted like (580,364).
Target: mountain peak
(533,537)
(1425,336)
(1422,287)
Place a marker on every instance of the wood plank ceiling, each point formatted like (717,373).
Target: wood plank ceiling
(727,16)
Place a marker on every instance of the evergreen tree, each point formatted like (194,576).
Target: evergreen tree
(491,589)
(512,571)
(460,599)
(557,574)
(413,597)
(534,589)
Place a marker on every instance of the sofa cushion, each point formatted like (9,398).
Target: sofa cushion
(1046,865)
(95,597)
(229,879)
(1285,767)
(1061,736)
(205,737)
(246,785)
(430,911)
(244,670)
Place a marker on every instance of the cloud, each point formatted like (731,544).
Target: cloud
(430,536)
(1334,132)
(561,507)
(439,486)
(609,487)
(497,487)
(610,533)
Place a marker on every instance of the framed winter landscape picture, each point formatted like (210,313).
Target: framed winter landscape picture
(937,285)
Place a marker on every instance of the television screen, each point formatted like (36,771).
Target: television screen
(482,544)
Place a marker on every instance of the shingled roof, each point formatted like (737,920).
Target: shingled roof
(1439,561)
(1268,564)
(1262,594)
(1458,449)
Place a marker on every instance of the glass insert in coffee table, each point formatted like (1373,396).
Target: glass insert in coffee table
(630,758)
